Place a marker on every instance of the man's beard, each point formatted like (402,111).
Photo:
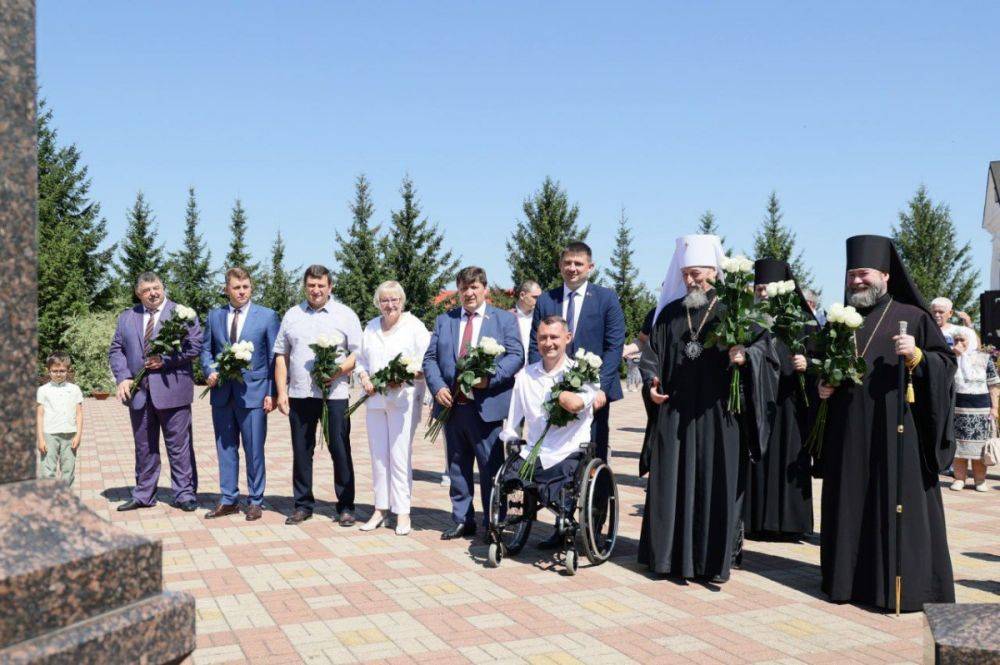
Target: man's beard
(867,297)
(695,298)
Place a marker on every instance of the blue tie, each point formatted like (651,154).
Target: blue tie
(571,314)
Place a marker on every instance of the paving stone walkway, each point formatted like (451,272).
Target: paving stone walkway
(319,593)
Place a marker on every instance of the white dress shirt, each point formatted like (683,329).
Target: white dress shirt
(477,325)
(581,293)
(239,322)
(524,324)
(531,388)
(378,347)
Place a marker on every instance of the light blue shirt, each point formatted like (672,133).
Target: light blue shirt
(300,327)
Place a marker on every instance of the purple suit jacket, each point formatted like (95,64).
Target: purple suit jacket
(172,385)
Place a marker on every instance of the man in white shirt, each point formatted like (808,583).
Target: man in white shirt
(524,310)
(554,467)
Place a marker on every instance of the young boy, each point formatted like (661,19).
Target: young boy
(60,419)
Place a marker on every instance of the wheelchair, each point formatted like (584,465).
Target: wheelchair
(589,529)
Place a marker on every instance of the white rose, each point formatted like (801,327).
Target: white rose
(323,342)
(854,320)
(771,289)
(593,360)
(248,345)
(746,265)
(414,367)
(243,354)
(791,285)
(726,264)
(184,313)
(835,312)
(580,353)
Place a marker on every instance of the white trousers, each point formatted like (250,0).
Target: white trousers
(390,439)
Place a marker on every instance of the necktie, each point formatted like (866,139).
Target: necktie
(232,328)
(148,334)
(571,313)
(463,350)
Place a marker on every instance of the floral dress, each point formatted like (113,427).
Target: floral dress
(973,423)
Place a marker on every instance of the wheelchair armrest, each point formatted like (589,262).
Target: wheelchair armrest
(513,447)
(589,449)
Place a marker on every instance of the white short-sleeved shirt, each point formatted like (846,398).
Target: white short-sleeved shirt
(531,388)
(378,347)
(59,402)
(300,327)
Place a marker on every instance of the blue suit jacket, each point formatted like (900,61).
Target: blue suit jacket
(493,402)
(600,330)
(261,328)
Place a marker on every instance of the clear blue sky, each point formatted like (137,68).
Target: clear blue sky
(844,109)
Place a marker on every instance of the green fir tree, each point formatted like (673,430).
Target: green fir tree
(550,224)
(72,266)
(360,256)
(774,240)
(191,276)
(709,226)
(139,250)
(239,254)
(623,277)
(280,288)
(416,258)
(928,245)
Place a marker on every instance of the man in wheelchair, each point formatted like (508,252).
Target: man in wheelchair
(558,479)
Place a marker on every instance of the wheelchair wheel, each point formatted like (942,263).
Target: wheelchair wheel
(494,555)
(512,512)
(572,561)
(597,510)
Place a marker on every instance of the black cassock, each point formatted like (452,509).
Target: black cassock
(779,486)
(693,452)
(859,465)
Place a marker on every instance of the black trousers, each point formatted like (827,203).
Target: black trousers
(304,416)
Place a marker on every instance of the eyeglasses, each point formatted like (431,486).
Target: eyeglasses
(389,301)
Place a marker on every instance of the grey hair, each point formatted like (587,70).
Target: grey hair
(147,277)
(810,296)
(527,285)
(941,301)
(393,287)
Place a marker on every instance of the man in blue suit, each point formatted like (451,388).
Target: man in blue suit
(239,409)
(596,319)
(473,430)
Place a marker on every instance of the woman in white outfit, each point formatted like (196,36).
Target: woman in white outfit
(392,418)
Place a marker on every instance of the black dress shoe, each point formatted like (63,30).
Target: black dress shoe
(298,517)
(553,542)
(131,504)
(458,531)
(186,506)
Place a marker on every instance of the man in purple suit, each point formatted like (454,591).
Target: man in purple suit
(163,398)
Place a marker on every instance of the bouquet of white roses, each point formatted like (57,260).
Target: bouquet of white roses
(231,362)
(478,364)
(837,362)
(585,371)
(742,314)
(168,340)
(329,355)
(790,320)
(401,369)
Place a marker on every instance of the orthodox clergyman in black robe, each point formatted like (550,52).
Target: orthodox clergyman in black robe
(692,451)
(858,457)
(779,499)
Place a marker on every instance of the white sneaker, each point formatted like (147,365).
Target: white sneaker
(958,486)
(981,487)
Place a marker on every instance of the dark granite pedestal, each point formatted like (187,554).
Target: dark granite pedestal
(967,634)
(73,588)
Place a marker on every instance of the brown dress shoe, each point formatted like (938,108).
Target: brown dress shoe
(253,512)
(346,518)
(298,517)
(222,510)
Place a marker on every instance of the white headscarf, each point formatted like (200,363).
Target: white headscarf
(972,363)
(692,250)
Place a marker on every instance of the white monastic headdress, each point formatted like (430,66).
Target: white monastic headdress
(692,250)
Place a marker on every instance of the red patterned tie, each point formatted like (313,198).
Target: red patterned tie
(463,350)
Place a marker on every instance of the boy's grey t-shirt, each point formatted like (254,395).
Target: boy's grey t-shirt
(59,401)
(300,327)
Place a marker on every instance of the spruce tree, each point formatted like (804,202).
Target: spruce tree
(280,289)
(139,251)
(191,276)
(359,256)
(550,224)
(415,257)
(708,226)
(774,240)
(239,254)
(623,278)
(927,243)
(72,267)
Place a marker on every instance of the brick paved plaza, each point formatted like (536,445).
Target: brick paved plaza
(320,593)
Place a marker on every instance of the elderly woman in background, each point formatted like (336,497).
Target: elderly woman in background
(942,310)
(977,388)
(391,418)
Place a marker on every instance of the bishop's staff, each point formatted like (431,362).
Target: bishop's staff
(900,414)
